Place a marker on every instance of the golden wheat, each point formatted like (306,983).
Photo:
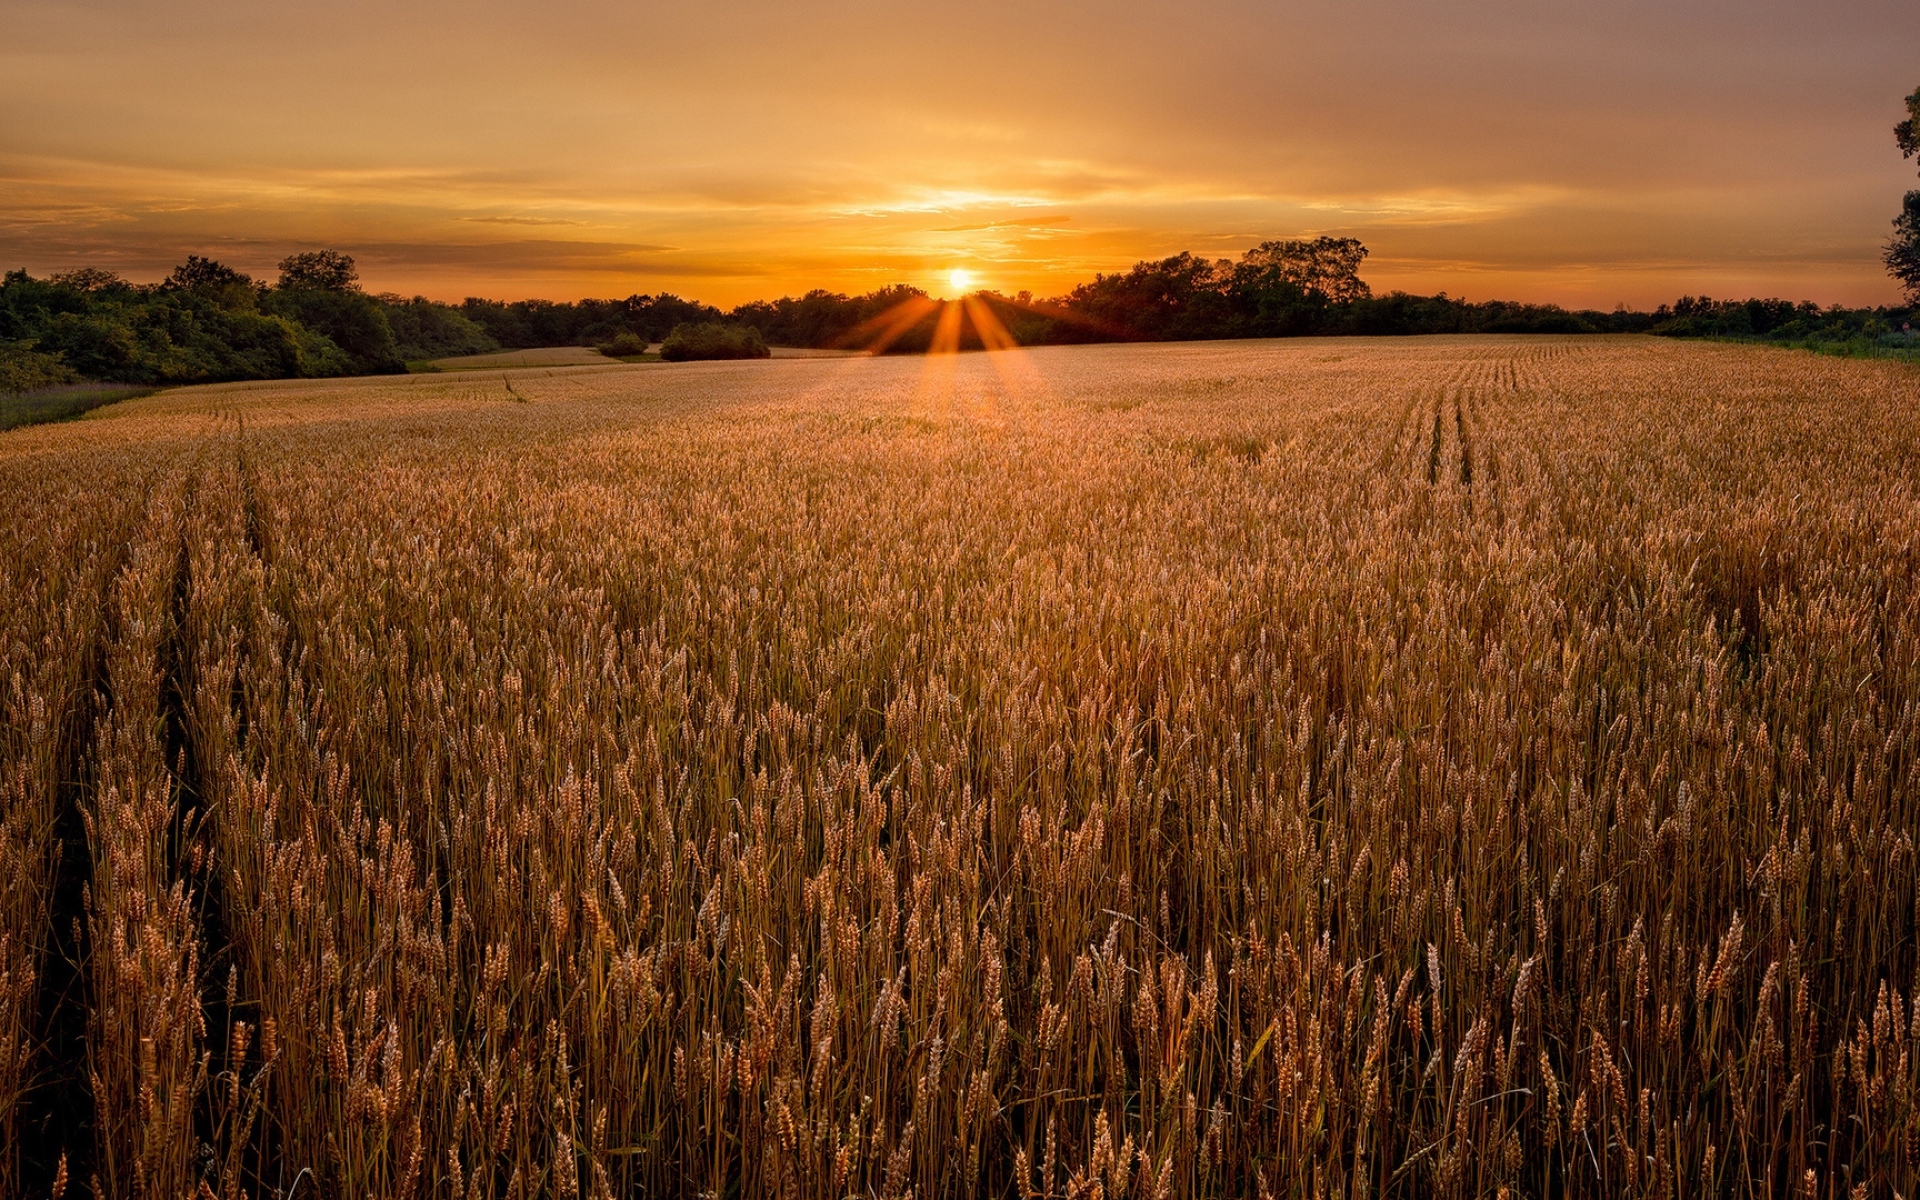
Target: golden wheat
(1443,767)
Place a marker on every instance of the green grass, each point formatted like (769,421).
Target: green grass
(1885,347)
(1892,345)
(64,403)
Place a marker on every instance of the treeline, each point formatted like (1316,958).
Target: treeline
(1289,289)
(1784,322)
(208,322)
(1277,289)
(526,324)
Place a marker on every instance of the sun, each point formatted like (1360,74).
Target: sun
(960,279)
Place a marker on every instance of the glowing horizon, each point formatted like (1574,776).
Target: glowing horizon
(739,152)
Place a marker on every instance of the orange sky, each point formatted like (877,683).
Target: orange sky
(729,150)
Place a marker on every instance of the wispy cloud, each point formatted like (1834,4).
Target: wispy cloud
(745,150)
(518,221)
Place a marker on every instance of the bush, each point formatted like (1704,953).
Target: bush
(23,370)
(712,339)
(626,344)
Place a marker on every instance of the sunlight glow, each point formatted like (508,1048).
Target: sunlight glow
(960,279)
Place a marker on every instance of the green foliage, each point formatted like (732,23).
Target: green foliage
(91,281)
(24,370)
(319,270)
(1860,332)
(213,282)
(625,344)
(206,322)
(320,290)
(526,324)
(1902,254)
(353,321)
(711,340)
(425,329)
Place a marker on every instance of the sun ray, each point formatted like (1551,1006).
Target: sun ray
(946,334)
(1008,358)
(938,369)
(993,334)
(877,333)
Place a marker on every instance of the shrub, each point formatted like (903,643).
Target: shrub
(625,344)
(23,370)
(713,339)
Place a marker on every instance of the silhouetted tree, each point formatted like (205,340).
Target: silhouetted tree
(89,280)
(204,274)
(1325,267)
(320,270)
(1903,251)
(1174,299)
(213,281)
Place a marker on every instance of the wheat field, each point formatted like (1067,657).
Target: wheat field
(1439,767)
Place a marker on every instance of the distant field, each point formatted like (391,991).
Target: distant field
(552,356)
(579,356)
(1426,767)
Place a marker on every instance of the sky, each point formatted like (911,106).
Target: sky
(727,150)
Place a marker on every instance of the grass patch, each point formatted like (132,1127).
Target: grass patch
(1898,347)
(65,402)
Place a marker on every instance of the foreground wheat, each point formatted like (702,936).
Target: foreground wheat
(1419,768)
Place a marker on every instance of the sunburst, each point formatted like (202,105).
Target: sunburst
(945,324)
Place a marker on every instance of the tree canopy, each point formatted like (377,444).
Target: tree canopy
(1907,133)
(1903,249)
(319,270)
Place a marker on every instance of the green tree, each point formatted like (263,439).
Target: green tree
(213,281)
(320,291)
(90,280)
(1903,251)
(320,271)
(713,339)
(354,322)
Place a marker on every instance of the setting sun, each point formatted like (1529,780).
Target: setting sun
(960,279)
